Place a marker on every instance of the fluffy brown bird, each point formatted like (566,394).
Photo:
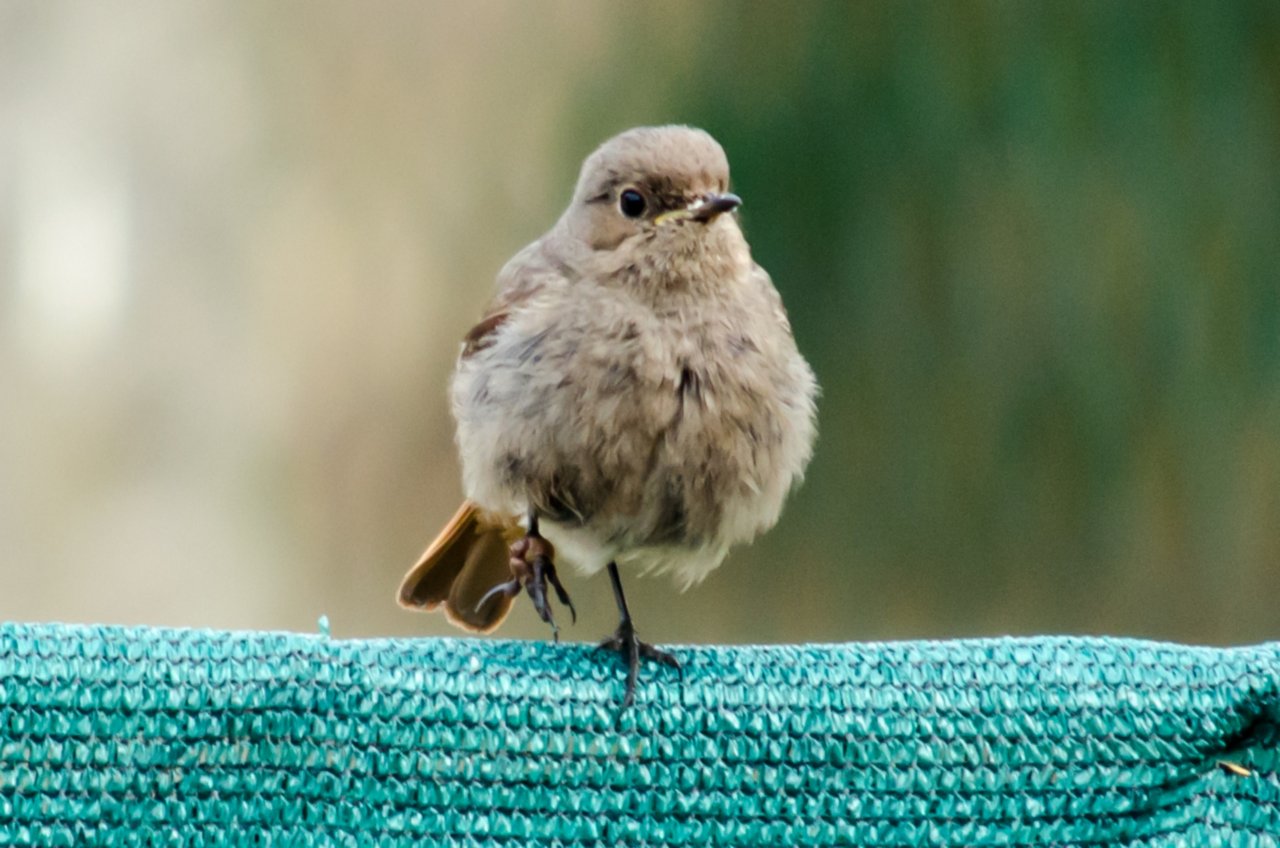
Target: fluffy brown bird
(633,396)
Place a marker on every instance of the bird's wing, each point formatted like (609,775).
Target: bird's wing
(470,555)
(529,273)
(760,279)
(482,334)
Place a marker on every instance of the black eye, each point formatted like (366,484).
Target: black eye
(631,202)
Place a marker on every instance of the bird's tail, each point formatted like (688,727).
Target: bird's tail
(468,558)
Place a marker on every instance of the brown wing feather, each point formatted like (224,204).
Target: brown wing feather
(466,559)
(488,564)
(481,335)
(427,584)
(523,278)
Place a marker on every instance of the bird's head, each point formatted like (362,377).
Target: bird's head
(654,196)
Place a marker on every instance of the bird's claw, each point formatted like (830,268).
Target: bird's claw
(632,650)
(548,571)
(510,588)
(532,569)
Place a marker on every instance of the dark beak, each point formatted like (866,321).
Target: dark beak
(714,205)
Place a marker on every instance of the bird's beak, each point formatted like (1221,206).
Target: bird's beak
(704,209)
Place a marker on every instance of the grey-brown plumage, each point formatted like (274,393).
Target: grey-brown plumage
(634,388)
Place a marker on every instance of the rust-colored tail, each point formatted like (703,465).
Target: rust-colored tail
(467,559)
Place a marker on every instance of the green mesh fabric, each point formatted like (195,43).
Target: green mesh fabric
(148,737)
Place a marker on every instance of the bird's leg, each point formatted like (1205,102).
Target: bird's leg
(533,569)
(626,643)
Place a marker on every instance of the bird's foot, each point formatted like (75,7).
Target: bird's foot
(632,650)
(533,569)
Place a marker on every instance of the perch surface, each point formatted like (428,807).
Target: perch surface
(155,737)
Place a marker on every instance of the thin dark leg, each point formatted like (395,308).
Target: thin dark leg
(532,568)
(626,643)
(619,597)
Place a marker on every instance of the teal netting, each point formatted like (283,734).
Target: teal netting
(145,737)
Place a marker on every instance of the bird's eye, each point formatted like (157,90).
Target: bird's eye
(631,202)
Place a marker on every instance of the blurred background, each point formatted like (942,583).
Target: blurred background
(1032,251)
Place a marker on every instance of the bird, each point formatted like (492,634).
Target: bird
(633,398)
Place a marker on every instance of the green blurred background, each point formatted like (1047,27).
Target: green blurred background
(1032,251)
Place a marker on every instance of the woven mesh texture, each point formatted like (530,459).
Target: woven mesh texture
(148,737)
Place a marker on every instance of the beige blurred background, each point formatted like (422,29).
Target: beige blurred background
(1031,251)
